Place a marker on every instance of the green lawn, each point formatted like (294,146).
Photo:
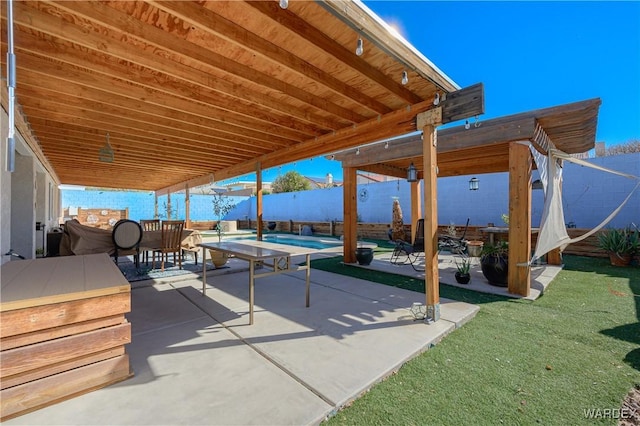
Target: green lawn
(518,362)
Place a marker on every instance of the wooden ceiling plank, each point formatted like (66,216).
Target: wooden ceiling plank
(227,93)
(113,19)
(197,127)
(163,158)
(125,132)
(320,40)
(168,84)
(236,124)
(221,27)
(48,135)
(61,112)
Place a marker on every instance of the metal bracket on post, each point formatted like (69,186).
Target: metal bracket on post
(433,313)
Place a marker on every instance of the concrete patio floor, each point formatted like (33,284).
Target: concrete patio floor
(197,361)
(541,275)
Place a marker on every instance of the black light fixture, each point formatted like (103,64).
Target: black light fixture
(412,173)
(474,184)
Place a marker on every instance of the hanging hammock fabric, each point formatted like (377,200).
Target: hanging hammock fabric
(553,232)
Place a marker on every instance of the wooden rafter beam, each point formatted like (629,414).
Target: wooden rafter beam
(211,22)
(113,91)
(392,124)
(113,19)
(330,46)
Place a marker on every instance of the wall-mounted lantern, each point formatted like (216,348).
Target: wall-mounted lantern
(474,184)
(412,173)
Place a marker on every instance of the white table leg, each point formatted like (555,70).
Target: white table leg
(308,273)
(251,289)
(204,272)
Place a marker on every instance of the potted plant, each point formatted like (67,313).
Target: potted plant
(222,205)
(494,262)
(620,243)
(364,255)
(463,266)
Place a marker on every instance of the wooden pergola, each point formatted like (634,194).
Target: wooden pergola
(195,92)
(496,145)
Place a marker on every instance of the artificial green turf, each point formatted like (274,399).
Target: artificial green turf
(517,362)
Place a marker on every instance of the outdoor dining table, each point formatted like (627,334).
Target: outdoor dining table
(276,257)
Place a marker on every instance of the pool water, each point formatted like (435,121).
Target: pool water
(298,242)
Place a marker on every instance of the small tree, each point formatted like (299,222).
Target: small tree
(222,205)
(291,181)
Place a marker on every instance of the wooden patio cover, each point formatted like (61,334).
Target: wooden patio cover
(191,92)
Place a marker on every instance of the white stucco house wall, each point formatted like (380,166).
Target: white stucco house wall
(28,195)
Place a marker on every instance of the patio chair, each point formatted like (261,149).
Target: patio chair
(454,245)
(148,225)
(171,243)
(404,252)
(126,236)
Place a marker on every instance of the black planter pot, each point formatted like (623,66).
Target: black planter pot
(495,269)
(364,255)
(271,226)
(462,278)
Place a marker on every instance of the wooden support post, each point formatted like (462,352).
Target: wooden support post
(428,122)
(169,206)
(350,213)
(554,257)
(187,210)
(259,201)
(520,165)
(416,208)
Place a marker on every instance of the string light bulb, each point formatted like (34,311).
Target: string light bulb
(360,47)
(466,124)
(386,145)
(284,4)
(358,151)
(436,100)
(405,78)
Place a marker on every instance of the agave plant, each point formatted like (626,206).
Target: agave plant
(621,241)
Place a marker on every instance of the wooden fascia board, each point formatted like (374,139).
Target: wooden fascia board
(360,18)
(221,27)
(489,133)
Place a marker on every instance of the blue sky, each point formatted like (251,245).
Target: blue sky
(529,55)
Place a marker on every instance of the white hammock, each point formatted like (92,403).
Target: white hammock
(553,232)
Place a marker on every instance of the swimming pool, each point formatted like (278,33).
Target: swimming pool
(294,240)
